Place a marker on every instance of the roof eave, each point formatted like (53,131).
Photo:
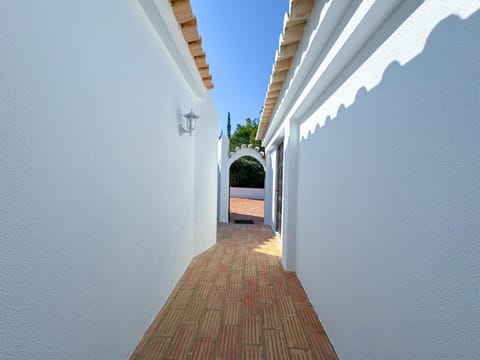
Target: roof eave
(293,27)
(182,10)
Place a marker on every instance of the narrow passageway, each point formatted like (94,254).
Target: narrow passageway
(235,301)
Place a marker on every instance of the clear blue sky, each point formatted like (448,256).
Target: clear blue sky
(240,39)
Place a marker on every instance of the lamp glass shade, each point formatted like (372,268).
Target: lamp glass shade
(191,123)
(191,120)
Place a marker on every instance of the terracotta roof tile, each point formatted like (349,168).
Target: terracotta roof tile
(182,10)
(290,38)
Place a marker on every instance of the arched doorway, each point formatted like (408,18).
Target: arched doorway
(225,161)
(247,191)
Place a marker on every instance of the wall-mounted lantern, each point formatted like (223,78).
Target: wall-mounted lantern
(187,126)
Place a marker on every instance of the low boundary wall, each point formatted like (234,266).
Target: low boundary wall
(247,193)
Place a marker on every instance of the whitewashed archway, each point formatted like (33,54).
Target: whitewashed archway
(225,160)
(246,151)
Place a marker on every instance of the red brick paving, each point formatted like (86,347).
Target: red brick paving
(235,301)
(204,349)
(252,352)
(246,209)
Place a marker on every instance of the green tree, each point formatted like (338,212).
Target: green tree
(246,171)
(229,126)
(245,134)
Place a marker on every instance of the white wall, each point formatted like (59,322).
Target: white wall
(223,166)
(388,202)
(247,193)
(268,204)
(386,98)
(205,181)
(99,205)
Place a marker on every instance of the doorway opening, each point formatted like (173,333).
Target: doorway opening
(246,191)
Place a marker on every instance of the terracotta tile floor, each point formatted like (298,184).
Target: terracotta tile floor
(235,301)
(246,209)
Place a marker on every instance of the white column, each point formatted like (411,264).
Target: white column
(273,195)
(267,211)
(289,217)
(224,179)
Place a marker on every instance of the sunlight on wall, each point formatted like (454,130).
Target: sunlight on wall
(413,36)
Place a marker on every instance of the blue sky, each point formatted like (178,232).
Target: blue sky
(240,39)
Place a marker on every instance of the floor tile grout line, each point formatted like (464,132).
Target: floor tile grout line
(257,272)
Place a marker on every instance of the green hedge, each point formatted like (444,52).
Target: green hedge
(247,172)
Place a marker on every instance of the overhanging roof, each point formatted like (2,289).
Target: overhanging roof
(188,22)
(293,26)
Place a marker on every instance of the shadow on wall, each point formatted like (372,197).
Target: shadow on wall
(388,208)
(375,42)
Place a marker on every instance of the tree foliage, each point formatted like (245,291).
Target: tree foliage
(246,171)
(229,126)
(245,134)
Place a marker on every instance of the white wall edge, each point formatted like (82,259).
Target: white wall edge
(161,16)
(319,60)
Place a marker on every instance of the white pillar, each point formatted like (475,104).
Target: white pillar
(273,195)
(267,210)
(224,178)
(289,212)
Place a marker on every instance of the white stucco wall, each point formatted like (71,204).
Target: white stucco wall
(100,208)
(223,178)
(205,181)
(268,217)
(387,215)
